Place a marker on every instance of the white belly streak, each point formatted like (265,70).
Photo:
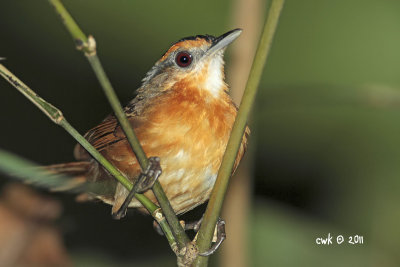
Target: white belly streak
(181,155)
(210,176)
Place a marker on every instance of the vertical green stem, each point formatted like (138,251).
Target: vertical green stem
(166,207)
(118,111)
(88,46)
(79,37)
(217,196)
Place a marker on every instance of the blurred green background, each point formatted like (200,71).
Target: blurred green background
(326,131)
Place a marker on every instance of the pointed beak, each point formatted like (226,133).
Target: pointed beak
(223,41)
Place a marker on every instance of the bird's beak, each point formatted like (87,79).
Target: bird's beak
(222,41)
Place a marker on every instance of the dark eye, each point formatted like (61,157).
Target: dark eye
(183,59)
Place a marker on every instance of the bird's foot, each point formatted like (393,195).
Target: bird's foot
(145,182)
(147,179)
(219,234)
(219,237)
(195,226)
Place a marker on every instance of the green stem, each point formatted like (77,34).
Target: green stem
(88,45)
(57,117)
(118,111)
(176,227)
(79,37)
(162,199)
(211,215)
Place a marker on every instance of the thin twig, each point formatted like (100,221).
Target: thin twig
(88,46)
(57,117)
(206,231)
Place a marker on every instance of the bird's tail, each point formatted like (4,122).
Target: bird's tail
(77,177)
(77,173)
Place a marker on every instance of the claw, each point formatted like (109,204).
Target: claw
(220,237)
(195,226)
(122,210)
(145,182)
(147,179)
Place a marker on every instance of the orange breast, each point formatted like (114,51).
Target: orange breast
(188,129)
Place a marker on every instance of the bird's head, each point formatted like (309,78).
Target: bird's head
(192,62)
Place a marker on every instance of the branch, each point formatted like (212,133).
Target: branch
(58,118)
(88,46)
(211,215)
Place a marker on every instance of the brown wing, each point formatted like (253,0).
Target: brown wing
(108,132)
(100,137)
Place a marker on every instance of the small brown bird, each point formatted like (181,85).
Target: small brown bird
(182,114)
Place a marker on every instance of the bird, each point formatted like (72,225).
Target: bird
(182,114)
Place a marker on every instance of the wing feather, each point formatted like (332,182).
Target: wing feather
(100,137)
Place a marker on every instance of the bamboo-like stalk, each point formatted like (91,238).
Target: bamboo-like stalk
(247,14)
(211,215)
(88,46)
(58,118)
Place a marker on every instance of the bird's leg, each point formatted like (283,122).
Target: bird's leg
(147,179)
(219,234)
(219,237)
(195,226)
(145,182)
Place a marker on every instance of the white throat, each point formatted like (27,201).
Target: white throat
(214,82)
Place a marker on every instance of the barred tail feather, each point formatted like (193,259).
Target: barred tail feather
(76,171)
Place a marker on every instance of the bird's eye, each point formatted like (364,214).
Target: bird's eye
(183,59)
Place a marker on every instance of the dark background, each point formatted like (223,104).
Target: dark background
(326,132)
